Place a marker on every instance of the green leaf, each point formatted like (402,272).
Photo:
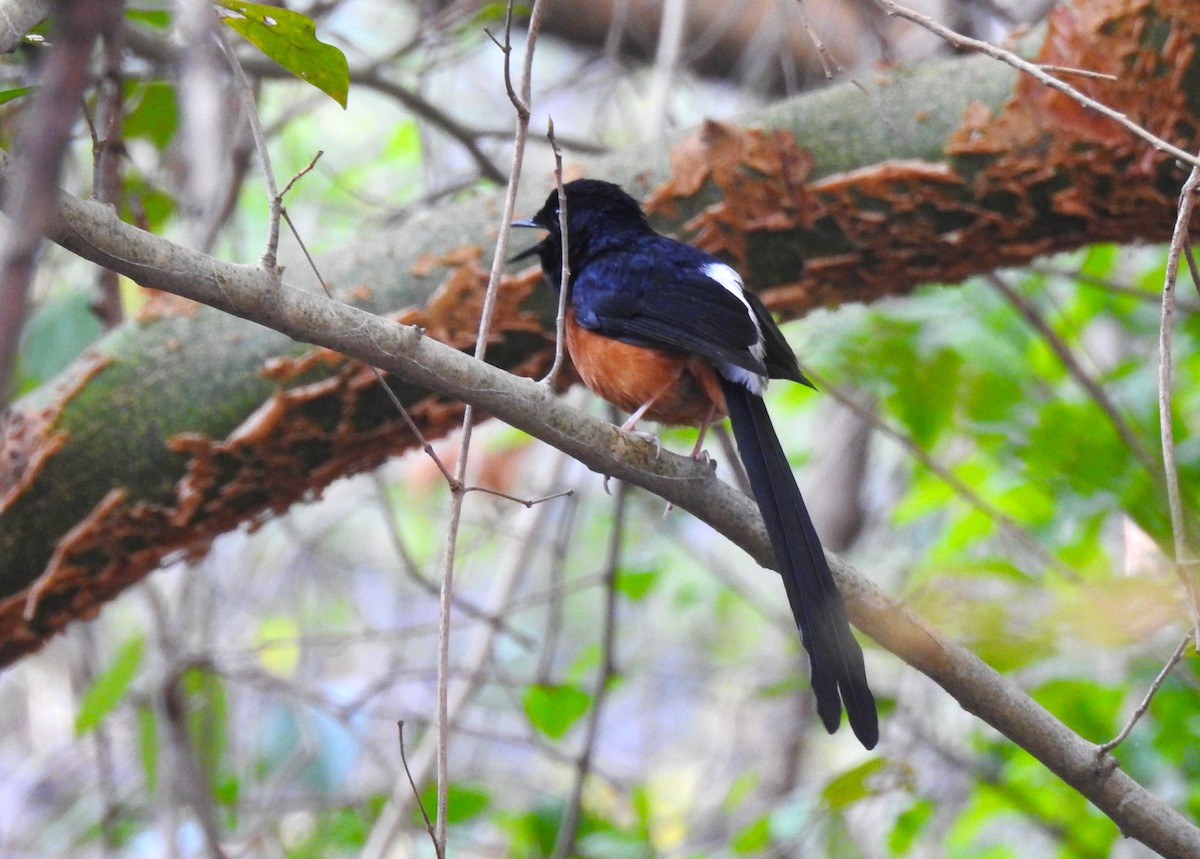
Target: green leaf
(289,38)
(635,586)
(147,724)
(753,838)
(146,206)
(227,790)
(10,94)
(1090,708)
(208,710)
(109,686)
(925,402)
(403,149)
(739,790)
(909,824)
(1100,261)
(495,13)
(851,786)
(462,803)
(155,114)
(553,709)
(55,334)
(158,18)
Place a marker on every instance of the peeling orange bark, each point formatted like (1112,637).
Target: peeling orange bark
(1041,175)
(327,418)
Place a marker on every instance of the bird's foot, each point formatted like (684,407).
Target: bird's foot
(647,436)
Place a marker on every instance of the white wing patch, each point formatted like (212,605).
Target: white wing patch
(732,281)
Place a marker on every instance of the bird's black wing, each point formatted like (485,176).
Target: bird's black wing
(779,358)
(661,297)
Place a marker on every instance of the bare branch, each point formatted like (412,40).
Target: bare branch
(438,849)
(1184,563)
(564,843)
(564,274)
(457,497)
(1076,371)
(269,257)
(108,151)
(1147,698)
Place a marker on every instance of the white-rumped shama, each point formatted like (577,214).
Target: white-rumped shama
(667,332)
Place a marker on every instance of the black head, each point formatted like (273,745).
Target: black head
(598,213)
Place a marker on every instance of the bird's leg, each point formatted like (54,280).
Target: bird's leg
(631,423)
(698,451)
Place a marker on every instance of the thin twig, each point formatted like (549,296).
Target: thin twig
(269,261)
(533,534)
(426,445)
(829,63)
(83,675)
(300,175)
(564,844)
(527,503)
(1083,73)
(108,151)
(560,324)
(555,593)
(414,572)
(1191,261)
(437,848)
(457,497)
(1093,282)
(1075,370)
(1037,72)
(1182,561)
(672,31)
(1003,521)
(182,763)
(1145,705)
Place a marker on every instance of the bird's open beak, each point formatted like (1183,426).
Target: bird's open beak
(532,250)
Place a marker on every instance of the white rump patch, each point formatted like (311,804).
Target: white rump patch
(732,281)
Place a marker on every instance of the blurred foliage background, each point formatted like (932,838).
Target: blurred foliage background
(610,660)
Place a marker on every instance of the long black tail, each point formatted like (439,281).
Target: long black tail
(836,660)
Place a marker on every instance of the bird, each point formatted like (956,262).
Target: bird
(669,333)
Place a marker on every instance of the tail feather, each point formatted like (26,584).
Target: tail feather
(836,660)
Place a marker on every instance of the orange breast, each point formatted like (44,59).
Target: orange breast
(686,386)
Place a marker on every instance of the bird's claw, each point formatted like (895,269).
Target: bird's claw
(650,437)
